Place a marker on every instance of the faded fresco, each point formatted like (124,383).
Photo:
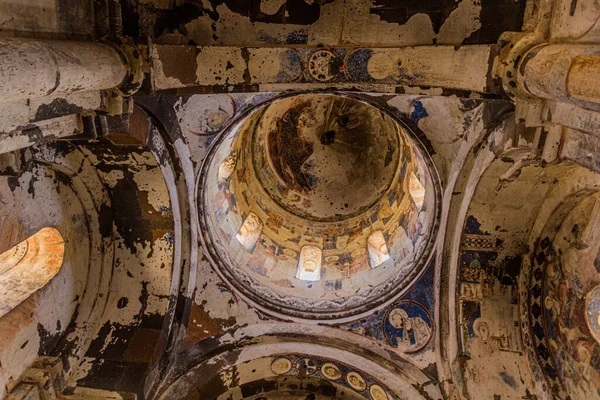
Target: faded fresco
(305,181)
(488,308)
(341,374)
(300,199)
(339,22)
(408,326)
(484,283)
(563,304)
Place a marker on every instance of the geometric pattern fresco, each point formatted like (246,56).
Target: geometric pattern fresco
(538,338)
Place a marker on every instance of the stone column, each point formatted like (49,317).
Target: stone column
(35,68)
(567,72)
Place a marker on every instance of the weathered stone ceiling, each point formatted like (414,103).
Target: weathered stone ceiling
(152,298)
(331,23)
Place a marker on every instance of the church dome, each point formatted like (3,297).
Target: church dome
(318,206)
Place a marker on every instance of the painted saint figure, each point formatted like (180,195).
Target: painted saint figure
(408,327)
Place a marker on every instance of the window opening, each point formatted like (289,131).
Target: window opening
(378,250)
(250,231)
(309,265)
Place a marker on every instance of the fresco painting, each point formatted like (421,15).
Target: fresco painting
(341,374)
(408,326)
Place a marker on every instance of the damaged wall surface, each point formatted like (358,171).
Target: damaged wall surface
(269,199)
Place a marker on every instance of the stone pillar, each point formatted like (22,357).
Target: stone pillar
(34,68)
(567,72)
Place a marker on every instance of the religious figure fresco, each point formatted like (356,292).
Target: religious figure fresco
(572,335)
(413,223)
(264,226)
(408,326)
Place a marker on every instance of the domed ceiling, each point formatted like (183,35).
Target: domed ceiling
(308,154)
(318,206)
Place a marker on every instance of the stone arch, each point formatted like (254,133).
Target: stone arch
(205,368)
(503,201)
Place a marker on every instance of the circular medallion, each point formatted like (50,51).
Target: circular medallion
(377,393)
(356,381)
(281,366)
(205,115)
(306,364)
(331,371)
(408,326)
(324,65)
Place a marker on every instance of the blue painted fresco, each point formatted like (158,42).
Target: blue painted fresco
(356,65)
(472,226)
(408,326)
(421,300)
(290,67)
(419,112)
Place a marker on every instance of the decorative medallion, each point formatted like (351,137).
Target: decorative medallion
(377,393)
(309,365)
(324,65)
(356,381)
(207,115)
(408,326)
(331,371)
(281,366)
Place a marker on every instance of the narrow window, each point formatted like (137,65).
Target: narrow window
(29,266)
(227,167)
(250,231)
(378,250)
(416,190)
(309,265)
